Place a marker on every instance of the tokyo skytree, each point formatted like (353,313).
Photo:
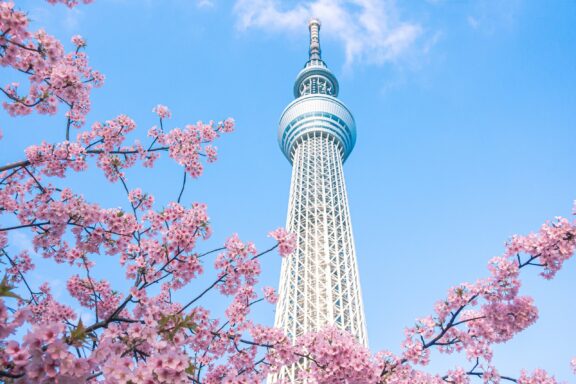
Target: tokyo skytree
(319,283)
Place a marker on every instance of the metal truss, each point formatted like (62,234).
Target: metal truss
(319,282)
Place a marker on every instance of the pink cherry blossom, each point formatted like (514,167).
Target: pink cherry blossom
(162,111)
(270,295)
(539,376)
(78,41)
(286,241)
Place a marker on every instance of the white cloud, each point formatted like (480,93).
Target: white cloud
(491,16)
(473,22)
(21,241)
(66,19)
(73,18)
(369,30)
(86,316)
(205,3)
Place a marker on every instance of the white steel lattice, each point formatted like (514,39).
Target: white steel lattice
(319,282)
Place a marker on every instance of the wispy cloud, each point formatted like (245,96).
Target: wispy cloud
(490,16)
(22,242)
(73,19)
(473,22)
(68,20)
(205,3)
(370,30)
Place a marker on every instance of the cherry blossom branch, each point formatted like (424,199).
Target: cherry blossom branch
(21,100)
(22,46)
(220,279)
(451,323)
(11,375)
(91,287)
(183,186)
(18,164)
(5,229)
(32,293)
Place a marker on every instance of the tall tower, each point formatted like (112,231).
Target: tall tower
(319,282)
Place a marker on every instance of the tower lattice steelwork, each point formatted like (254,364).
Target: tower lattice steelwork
(319,282)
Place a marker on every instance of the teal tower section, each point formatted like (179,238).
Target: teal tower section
(316,108)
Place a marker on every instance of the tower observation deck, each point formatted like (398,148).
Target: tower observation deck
(319,283)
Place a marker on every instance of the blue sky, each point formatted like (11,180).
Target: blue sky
(466,117)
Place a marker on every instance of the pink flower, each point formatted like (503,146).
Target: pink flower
(140,200)
(78,41)
(286,241)
(162,111)
(270,295)
(211,153)
(539,376)
(491,376)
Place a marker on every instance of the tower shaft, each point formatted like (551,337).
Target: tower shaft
(319,282)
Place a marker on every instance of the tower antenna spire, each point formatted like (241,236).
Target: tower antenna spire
(314,27)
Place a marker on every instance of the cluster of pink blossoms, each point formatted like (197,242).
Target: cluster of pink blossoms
(270,295)
(21,264)
(44,357)
(138,336)
(78,41)
(162,111)
(551,246)
(56,159)
(286,241)
(140,200)
(475,316)
(338,358)
(237,265)
(94,294)
(54,77)
(187,145)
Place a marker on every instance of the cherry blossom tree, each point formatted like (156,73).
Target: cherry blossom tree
(142,335)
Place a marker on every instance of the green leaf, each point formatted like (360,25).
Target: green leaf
(191,369)
(6,289)
(78,334)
